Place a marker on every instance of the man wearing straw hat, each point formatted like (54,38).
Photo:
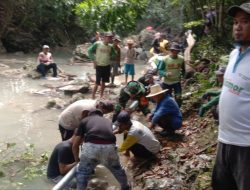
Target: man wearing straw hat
(167,112)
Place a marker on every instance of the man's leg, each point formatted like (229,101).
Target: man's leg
(132,71)
(166,86)
(222,177)
(41,69)
(87,164)
(166,123)
(97,81)
(140,151)
(178,93)
(102,88)
(112,162)
(94,91)
(65,134)
(54,67)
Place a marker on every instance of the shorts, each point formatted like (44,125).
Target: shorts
(114,68)
(129,69)
(102,74)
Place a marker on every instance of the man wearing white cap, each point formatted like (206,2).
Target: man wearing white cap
(232,165)
(46,62)
(167,112)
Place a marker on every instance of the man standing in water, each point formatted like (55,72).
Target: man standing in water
(103,52)
(232,168)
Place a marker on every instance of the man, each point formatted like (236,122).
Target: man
(166,114)
(46,62)
(103,52)
(148,78)
(71,117)
(139,139)
(61,161)
(156,43)
(129,60)
(172,68)
(116,61)
(131,92)
(215,94)
(99,148)
(232,168)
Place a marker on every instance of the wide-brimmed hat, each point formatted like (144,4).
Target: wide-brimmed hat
(45,47)
(123,117)
(155,90)
(220,71)
(243,7)
(175,46)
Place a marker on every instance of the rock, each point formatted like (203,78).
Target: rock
(72,89)
(146,37)
(18,40)
(51,104)
(77,96)
(97,184)
(80,53)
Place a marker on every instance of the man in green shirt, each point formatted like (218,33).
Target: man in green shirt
(172,68)
(103,52)
(214,101)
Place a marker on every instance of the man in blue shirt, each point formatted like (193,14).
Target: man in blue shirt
(167,112)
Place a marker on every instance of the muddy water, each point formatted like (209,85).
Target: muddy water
(23,118)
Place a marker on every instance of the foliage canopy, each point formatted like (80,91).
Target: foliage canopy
(111,15)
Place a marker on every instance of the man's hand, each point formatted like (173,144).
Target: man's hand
(149,117)
(47,63)
(169,74)
(205,96)
(151,126)
(94,62)
(201,111)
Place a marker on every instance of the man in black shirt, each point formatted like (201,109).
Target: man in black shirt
(61,160)
(99,148)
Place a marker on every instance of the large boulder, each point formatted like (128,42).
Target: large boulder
(80,53)
(18,40)
(146,37)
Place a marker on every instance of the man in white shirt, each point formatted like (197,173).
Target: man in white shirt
(71,117)
(46,62)
(232,165)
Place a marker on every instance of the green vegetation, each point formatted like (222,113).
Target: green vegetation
(20,164)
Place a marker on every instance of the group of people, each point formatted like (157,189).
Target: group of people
(83,124)
(106,56)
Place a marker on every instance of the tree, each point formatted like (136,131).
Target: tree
(111,15)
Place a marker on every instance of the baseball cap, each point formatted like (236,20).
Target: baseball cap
(243,7)
(175,46)
(148,76)
(45,47)
(123,117)
(117,38)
